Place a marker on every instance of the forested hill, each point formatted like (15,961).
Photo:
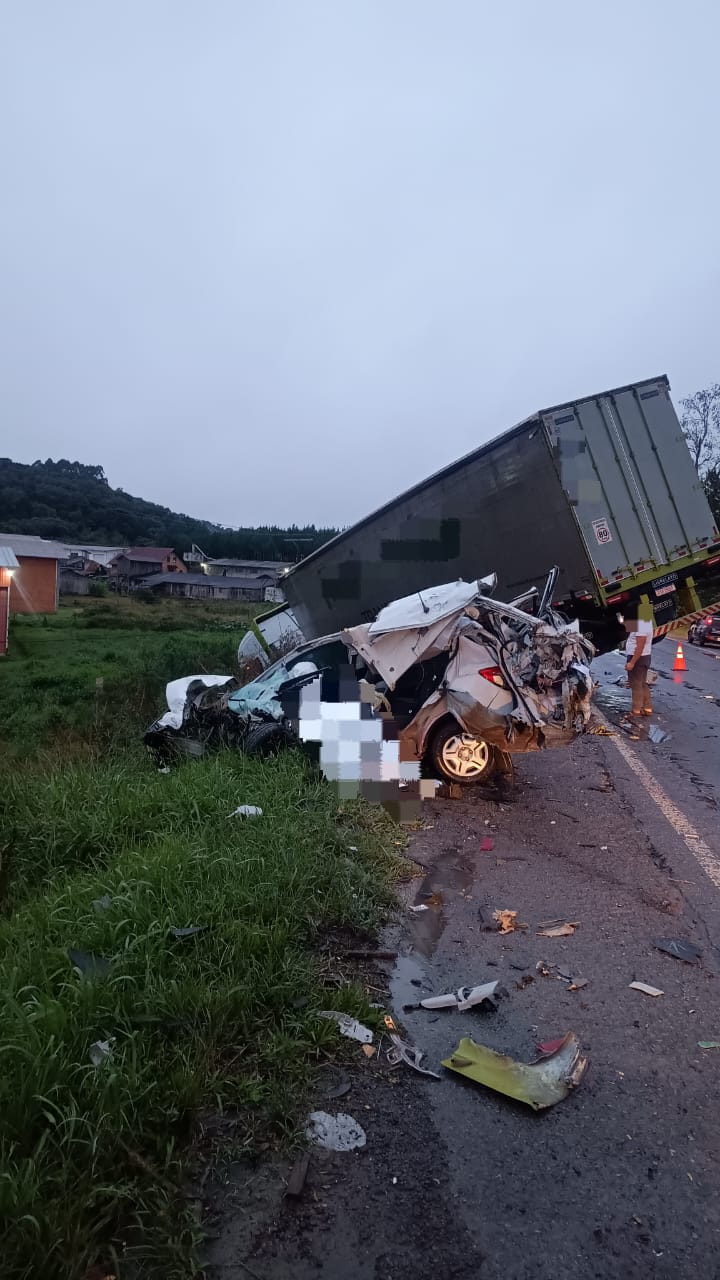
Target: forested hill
(75,503)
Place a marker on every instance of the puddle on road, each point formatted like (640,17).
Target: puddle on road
(452,875)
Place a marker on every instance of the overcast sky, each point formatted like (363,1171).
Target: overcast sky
(276,261)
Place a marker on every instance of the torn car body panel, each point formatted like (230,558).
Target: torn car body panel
(538,1084)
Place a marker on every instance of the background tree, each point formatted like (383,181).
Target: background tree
(701,426)
(712,489)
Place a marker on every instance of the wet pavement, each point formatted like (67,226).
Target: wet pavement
(621,1180)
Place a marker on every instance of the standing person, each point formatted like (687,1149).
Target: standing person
(638,650)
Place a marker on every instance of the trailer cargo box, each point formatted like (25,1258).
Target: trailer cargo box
(603,487)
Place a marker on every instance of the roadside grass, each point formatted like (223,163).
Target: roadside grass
(102,855)
(48,682)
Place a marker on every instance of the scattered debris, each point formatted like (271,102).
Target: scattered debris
(508,921)
(486,845)
(246,811)
(435,900)
(465,998)
(368,1050)
(100,1050)
(339,1090)
(334,1133)
(658,735)
(416,910)
(648,991)
(547,1047)
(89,965)
(102,904)
(524,982)
(557,928)
(539,1084)
(348,1026)
(577,984)
(601,731)
(298,1174)
(708,1044)
(409,1054)
(542,967)
(188,930)
(680,948)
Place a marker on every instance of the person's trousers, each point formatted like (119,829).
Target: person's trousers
(639,687)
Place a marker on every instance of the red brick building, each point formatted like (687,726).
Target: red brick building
(34,584)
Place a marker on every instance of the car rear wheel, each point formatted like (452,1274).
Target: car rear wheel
(461,757)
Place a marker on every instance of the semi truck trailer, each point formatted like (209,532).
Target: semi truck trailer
(603,487)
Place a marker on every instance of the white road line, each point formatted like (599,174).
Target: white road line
(702,852)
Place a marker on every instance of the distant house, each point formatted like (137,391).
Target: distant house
(246,568)
(139,562)
(90,553)
(205,586)
(34,587)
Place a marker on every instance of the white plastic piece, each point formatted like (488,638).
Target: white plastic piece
(100,1050)
(335,1133)
(246,811)
(348,1026)
(646,990)
(462,1000)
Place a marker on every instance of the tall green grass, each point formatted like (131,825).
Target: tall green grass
(101,854)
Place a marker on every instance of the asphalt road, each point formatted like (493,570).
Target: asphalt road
(620,1180)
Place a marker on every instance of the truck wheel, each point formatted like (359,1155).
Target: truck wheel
(460,757)
(267,740)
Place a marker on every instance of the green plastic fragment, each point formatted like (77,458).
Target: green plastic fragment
(538,1084)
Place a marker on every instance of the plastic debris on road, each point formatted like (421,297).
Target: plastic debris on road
(546,1047)
(417,910)
(539,1084)
(465,998)
(486,845)
(410,1055)
(246,811)
(507,921)
(708,1044)
(680,948)
(648,991)
(348,1026)
(334,1133)
(557,928)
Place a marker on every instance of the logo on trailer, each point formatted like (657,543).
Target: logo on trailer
(601,529)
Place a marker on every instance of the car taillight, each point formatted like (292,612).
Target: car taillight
(494,675)
(708,622)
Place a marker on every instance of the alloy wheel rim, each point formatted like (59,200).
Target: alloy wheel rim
(465,756)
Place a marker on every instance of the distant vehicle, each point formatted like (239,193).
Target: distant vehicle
(450,674)
(603,486)
(706,631)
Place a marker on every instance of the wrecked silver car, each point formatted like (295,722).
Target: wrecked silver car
(451,677)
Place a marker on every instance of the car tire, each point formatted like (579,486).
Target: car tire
(459,757)
(267,740)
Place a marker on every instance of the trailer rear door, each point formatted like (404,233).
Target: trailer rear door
(626,468)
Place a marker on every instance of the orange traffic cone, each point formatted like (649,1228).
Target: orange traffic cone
(679,664)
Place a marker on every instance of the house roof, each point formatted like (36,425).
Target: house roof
(8,559)
(201,580)
(24,544)
(276,565)
(151,554)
